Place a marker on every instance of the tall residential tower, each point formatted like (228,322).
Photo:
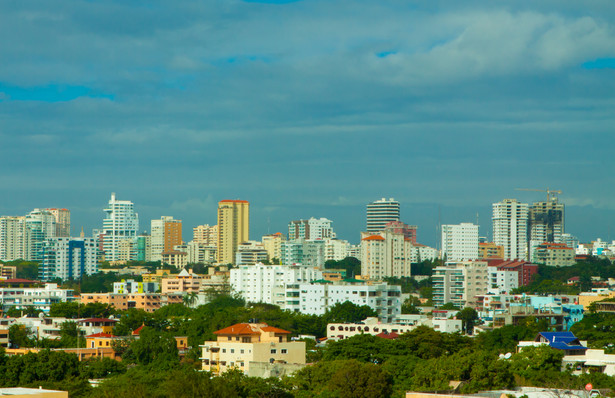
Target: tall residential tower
(380,213)
(233,228)
(510,228)
(120,228)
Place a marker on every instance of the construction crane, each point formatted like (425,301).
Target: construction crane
(550,192)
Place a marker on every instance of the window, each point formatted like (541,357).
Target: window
(273,351)
(232,350)
(284,351)
(224,350)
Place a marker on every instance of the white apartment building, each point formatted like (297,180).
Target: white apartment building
(198,252)
(120,224)
(41,298)
(510,220)
(336,249)
(317,297)
(250,253)
(40,225)
(460,242)
(12,235)
(268,283)
(503,281)
(460,283)
(425,253)
(386,255)
(312,229)
(68,258)
(380,213)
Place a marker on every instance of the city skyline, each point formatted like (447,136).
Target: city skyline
(428,232)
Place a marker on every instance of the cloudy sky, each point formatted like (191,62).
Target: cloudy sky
(308,108)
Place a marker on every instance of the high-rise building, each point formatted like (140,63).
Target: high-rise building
(68,258)
(12,231)
(312,229)
(273,245)
(510,228)
(62,217)
(205,234)
(144,247)
(460,242)
(120,229)
(166,234)
(398,227)
(386,255)
(380,213)
(233,228)
(40,225)
(546,222)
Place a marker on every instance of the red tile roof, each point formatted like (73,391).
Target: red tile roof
(274,330)
(249,329)
(374,237)
(239,329)
(104,335)
(233,201)
(390,336)
(138,330)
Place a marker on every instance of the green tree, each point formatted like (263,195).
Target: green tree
(19,336)
(410,306)
(348,312)
(449,306)
(156,347)
(468,317)
(359,380)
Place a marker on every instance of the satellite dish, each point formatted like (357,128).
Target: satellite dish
(112,317)
(508,355)
(41,315)
(501,356)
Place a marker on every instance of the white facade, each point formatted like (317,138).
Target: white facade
(380,213)
(510,219)
(121,223)
(41,298)
(501,282)
(12,238)
(317,298)
(40,225)
(312,229)
(250,253)
(268,283)
(131,287)
(299,251)
(336,249)
(68,258)
(460,242)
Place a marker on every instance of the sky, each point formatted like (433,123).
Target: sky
(308,108)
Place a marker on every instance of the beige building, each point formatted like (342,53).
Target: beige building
(490,250)
(273,245)
(148,302)
(554,255)
(233,228)
(175,258)
(386,254)
(205,234)
(185,282)
(258,350)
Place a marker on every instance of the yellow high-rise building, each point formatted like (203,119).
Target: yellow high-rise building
(233,228)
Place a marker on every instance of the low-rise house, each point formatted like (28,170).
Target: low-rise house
(258,350)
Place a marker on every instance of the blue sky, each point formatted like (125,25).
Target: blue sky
(308,108)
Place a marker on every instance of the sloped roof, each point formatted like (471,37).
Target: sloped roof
(390,336)
(561,340)
(274,330)
(247,329)
(373,237)
(101,335)
(239,329)
(137,331)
